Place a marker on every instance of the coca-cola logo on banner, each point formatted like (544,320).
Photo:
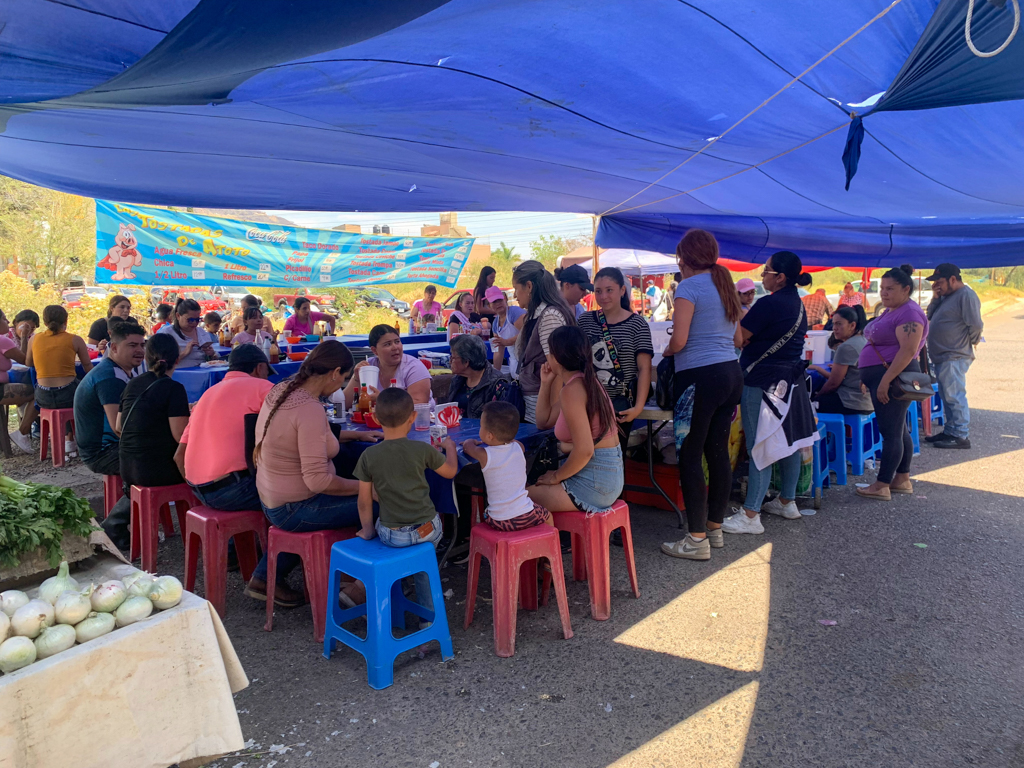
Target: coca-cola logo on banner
(275,236)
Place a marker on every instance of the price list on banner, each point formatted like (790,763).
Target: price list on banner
(137,245)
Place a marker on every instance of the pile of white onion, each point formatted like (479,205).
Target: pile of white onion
(65,613)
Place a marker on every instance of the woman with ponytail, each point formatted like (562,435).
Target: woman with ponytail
(153,415)
(706,310)
(771,336)
(572,400)
(621,348)
(298,486)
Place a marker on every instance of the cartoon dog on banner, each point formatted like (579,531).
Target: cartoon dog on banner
(123,256)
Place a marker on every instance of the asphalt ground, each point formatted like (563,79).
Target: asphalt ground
(719,663)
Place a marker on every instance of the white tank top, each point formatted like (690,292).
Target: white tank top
(505,478)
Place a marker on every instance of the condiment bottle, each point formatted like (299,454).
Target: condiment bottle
(364,399)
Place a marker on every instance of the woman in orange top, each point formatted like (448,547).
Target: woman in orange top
(52,353)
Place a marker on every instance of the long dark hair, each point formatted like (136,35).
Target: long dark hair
(324,358)
(481,284)
(161,353)
(250,312)
(299,302)
(615,274)
(181,308)
(855,315)
(54,316)
(788,263)
(698,250)
(544,290)
(572,350)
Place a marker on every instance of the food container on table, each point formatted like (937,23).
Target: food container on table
(294,339)
(357,416)
(438,434)
(312,338)
(422,422)
(297,356)
(431,328)
(370,420)
(448,414)
(370,376)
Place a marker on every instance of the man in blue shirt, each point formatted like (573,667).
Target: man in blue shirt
(97,402)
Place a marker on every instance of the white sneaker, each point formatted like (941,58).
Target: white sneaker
(776,507)
(740,523)
(715,538)
(24,442)
(70,449)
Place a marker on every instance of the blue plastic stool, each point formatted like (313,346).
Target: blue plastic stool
(381,569)
(938,411)
(865,440)
(819,474)
(914,427)
(835,444)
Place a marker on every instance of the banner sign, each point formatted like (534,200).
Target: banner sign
(152,246)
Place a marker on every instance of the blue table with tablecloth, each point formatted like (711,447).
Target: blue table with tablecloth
(197,380)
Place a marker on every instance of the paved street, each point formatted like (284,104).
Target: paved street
(722,663)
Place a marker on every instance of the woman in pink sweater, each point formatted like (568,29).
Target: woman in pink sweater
(298,487)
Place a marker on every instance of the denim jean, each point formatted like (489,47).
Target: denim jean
(318,513)
(407,537)
(240,496)
(952,376)
(758,480)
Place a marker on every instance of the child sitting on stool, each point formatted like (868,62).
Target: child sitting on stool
(394,471)
(503,463)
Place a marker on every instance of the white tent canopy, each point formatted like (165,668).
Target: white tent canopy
(634,263)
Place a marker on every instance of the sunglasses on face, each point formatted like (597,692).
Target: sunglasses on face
(193,321)
(767,272)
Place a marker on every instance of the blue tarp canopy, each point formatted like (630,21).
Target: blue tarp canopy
(605,107)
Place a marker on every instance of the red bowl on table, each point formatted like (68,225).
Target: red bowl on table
(297,356)
(294,339)
(371,421)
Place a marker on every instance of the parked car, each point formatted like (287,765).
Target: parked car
(323,299)
(384,298)
(232,295)
(72,297)
(207,301)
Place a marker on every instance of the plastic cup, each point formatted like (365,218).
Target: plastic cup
(370,376)
(422,421)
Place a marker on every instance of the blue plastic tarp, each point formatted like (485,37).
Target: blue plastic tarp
(543,105)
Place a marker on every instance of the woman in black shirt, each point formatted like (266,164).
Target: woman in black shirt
(99,335)
(622,358)
(154,412)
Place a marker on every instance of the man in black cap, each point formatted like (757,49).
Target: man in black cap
(954,329)
(575,284)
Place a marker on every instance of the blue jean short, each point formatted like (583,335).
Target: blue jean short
(597,486)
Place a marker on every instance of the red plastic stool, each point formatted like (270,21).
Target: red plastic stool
(51,426)
(314,549)
(213,528)
(593,563)
(149,508)
(513,558)
(113,490)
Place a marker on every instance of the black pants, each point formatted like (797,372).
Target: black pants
(830,402)
(108,462)
(717,391)
(897,445)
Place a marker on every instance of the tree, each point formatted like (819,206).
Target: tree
(504,253)
(46,235)
(547,248)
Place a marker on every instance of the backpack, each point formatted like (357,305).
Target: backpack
(506,391)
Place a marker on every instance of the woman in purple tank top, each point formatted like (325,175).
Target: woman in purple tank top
(894,341)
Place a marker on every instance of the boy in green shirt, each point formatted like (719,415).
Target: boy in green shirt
(395,470)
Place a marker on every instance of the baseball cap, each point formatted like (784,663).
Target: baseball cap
(248,354)
(494,293)
(744,284)
(576,275)
(944,271)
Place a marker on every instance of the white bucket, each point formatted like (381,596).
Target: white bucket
(817,343)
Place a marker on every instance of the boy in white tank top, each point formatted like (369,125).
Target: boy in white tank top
(503,464)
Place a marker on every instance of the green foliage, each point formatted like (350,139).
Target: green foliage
(34,515)
(48,236)
(504,254)
(547,248)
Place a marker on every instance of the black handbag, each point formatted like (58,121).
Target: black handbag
(664,390)
(908,385)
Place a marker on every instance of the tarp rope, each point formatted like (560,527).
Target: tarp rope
(756,109)
(1001,48)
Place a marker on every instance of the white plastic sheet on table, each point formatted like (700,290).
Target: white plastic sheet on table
(149,695)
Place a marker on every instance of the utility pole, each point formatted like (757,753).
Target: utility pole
(593,237)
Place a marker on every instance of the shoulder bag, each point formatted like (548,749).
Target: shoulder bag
(908,385)
(630,389)
(781,342)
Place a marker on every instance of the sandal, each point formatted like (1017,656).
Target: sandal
(908,488)
(878,496)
